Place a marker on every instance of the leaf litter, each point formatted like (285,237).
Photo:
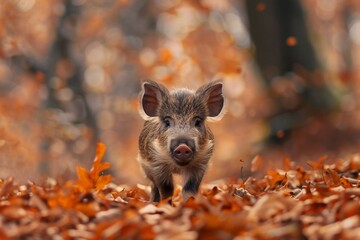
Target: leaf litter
(317,201)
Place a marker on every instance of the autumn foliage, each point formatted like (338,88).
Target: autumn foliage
(317,201)
(70,74)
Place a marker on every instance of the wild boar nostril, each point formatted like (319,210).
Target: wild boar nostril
(183,152)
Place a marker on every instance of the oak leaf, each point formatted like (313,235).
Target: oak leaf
(319,165)
(94,179)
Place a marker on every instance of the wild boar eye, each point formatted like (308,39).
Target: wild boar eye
(198,122)
(167,122)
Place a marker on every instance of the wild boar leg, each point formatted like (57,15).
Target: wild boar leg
(155,194)
(192,184)
(166,188)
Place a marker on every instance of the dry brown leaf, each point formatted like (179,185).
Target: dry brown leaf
(295,203)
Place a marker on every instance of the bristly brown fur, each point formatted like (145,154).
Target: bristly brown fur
(172,119)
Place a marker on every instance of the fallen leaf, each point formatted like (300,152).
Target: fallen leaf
(256,163)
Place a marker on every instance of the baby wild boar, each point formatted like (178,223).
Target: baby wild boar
(175,137)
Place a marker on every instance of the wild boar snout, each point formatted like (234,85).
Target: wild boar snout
(182,150)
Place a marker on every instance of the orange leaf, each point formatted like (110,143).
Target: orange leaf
(260,7)
(302,175)
(66,197)
(89,209)
(94,179)
(257,163)
(102,181)
(333,178)
(287,164)
(291,41)
(84,180)
(319,165)
(345,183)
(275,178)
(98,167)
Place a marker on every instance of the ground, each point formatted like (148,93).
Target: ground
(315,201)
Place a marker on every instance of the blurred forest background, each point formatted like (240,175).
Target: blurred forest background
(71,71)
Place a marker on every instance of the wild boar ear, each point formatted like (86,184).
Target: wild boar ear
(150,98)
(214,99)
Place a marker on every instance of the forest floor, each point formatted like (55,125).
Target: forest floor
(311,201)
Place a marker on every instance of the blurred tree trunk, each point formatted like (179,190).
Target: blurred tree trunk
(282,45)
(61,51)
(270,29)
